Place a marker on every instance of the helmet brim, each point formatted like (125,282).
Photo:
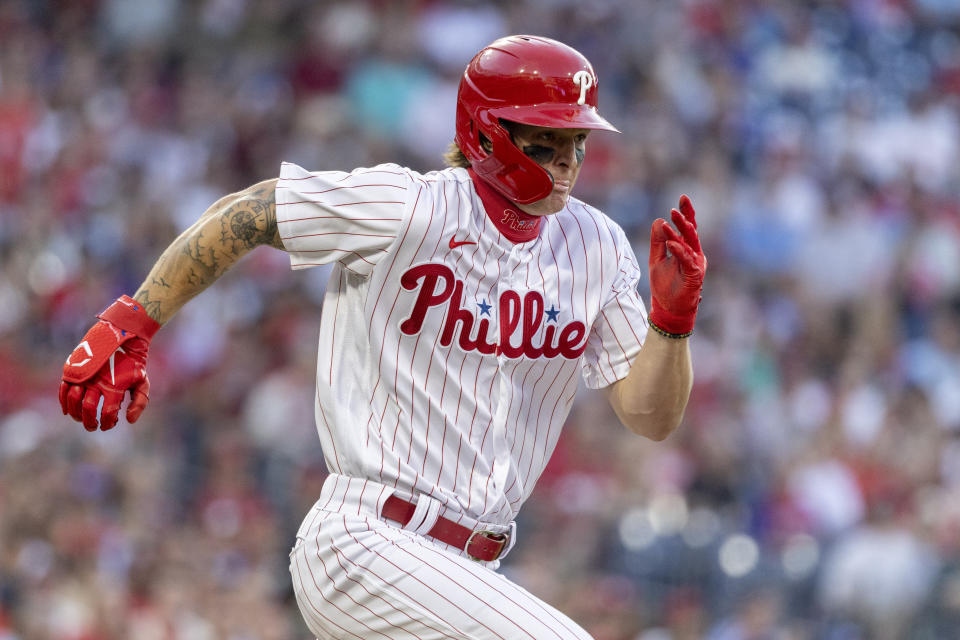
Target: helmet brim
(558,116)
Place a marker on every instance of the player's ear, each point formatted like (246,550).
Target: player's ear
(485,143)
(511,128)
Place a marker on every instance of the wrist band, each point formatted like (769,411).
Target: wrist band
(667,334)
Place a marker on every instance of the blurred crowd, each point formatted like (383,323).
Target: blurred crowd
(813,490)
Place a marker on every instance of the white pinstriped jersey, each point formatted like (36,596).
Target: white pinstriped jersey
(448,354)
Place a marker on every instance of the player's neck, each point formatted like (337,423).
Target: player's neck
(515,225)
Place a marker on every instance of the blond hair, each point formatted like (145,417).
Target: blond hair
(454,157)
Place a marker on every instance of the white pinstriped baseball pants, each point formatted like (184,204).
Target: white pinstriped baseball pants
(358,577)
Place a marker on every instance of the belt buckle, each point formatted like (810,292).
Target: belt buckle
(500,538)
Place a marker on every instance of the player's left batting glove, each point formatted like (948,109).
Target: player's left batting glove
(677,267)
(109,361)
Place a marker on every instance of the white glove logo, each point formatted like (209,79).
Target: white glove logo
(86,347)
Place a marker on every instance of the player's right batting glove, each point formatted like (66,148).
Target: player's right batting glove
(677,267)
(109,361)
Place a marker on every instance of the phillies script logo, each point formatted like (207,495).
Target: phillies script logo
(520,318)
(512,219)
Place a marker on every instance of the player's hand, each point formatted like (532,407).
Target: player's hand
(677,267)
(110,361)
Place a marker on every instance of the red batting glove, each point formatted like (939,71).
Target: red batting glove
(109,361)
(676,277)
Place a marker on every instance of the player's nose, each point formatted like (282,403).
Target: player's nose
(566,154)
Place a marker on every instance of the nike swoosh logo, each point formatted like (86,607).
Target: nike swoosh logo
(454,243)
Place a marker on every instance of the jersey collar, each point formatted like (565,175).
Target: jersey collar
(515,225)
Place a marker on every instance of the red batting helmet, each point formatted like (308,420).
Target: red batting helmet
(526,79)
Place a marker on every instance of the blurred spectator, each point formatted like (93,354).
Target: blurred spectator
(879,574)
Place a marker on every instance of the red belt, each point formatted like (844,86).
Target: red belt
(480,545)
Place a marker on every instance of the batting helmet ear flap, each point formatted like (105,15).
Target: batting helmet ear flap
(507,168)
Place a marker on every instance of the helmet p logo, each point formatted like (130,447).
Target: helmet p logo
(585,80)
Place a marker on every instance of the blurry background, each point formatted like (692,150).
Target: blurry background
(814,488)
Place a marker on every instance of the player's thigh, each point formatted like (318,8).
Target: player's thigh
(364,579)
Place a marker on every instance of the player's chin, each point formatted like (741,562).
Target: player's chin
(550,205)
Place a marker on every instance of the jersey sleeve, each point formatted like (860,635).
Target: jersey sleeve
(620,328)
(335,216)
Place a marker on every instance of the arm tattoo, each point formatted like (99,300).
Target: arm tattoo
(152,307)
(252,221)
(227,231)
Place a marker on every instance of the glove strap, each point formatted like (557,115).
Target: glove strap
(671,324)
(128,315)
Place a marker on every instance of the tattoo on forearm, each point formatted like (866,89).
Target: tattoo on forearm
(251,221)
(196,279)
(244,227)
(226,232)
(201,254)
(152,307)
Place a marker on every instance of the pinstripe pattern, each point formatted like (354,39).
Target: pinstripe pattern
(399,406)
(356,576)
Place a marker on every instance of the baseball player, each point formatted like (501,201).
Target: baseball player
(460,309)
